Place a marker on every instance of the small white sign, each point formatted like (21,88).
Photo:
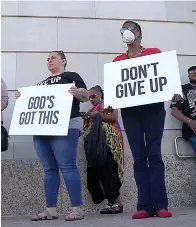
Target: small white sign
(42,110)
(143,80)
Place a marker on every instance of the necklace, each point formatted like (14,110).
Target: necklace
(130,55)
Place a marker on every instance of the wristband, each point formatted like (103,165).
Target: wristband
(189,121)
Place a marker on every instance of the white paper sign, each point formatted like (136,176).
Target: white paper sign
(143,80)
(42,110)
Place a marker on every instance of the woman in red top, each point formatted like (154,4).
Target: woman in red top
(144,126)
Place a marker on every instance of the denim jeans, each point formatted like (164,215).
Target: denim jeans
(192,141)
(59,152)
(144,133)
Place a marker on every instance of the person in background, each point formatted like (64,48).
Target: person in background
(4,96)
(4,104)
(144,127)
(59,152)
(104,181)
(184,108)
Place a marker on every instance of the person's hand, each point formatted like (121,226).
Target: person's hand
(177,98)
(73,90)
(108,110)
(92,115)
(85,116)
(192,125)
(17,94)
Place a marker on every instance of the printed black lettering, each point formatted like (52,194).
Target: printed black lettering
(21,119)
(162,82)
(27,118)
(50,99)
(36,102)
(124,75)
(154,87)
(119,91)
(133,73)
(51,116)
(31,102)
(46,117)
(40,116)
(32,117)
(142,71)
(155,67)
(125,90)
(132,88)
(56,113)
(140,87)
(42,102)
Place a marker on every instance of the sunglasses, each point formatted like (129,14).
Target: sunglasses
(130,28)
(93,96)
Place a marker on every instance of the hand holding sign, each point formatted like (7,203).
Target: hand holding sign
(42,110)
(73,90)
(177,98)
(143,80)
(17,94)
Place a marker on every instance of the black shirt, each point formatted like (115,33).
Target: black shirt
(66,78)
(188,108)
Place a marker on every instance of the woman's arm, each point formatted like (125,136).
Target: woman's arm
(4,95)
(80,90)
(82,95)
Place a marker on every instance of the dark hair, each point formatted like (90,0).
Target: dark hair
(138,27)
(61,54)
(192,68)
(98,89)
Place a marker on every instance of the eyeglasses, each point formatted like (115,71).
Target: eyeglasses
(93,96)
(192,71)
(130,28)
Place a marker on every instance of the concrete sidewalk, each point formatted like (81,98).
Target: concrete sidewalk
(183,217)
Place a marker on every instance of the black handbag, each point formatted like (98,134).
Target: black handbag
(95,144)
(4,139)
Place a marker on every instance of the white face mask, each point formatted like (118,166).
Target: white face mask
(128,37)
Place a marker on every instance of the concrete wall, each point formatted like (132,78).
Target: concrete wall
(88,31)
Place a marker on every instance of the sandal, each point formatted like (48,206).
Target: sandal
(43,217)
(74,216)
(114,209)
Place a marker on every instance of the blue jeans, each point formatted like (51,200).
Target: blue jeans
(192,141)
(59,152)
(144,133)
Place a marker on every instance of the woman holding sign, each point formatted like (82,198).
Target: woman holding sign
(144,127)
(59,152)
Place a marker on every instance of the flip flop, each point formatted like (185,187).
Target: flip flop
(114,209)
(74,216)
(43,217)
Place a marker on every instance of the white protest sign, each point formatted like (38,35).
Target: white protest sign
(143,80)
(42,110)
